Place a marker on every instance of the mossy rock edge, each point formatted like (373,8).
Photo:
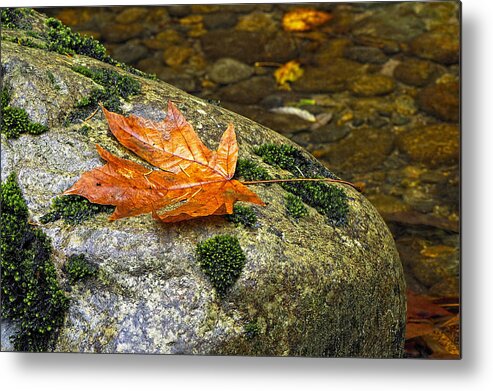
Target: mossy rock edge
(308,287)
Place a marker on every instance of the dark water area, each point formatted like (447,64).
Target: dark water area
(377,102)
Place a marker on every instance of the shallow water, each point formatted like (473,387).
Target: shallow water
(378,101)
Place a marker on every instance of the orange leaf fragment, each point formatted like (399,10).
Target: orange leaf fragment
(291,71)
(187,172)
(304,19)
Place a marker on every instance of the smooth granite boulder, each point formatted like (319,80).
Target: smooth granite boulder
(308,287)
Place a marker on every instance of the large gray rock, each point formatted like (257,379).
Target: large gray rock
(310,287)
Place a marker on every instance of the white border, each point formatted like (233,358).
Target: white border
(474,372)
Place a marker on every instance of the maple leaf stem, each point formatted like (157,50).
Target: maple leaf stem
(92,115)
(301,180)
(267,64)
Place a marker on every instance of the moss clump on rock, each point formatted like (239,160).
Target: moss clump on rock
(115,86)
(63,40)
(124,86)
(31,296)
(73,209)
(222,260)
(15,121)
(327,199)
(251,330)
(78,268)
(291,159)
(295,206)
(16,18)
(250,171)
(243,215)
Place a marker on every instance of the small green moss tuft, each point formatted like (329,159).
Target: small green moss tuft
(16,18)
(5,97)
(51,78)
(26,41)
(78,268)
(243,215)
(295,206)
(122,85)
(291,159)
(73,210)
(31,296)
(115,86)
(250,171)
(222,260)
(88,104)
(251,330)
(282,156)
(327,199)
(84,130)
(62,40)
(16,121)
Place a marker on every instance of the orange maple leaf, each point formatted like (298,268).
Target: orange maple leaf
(187,172)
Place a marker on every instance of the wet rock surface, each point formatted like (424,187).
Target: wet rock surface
(341,293)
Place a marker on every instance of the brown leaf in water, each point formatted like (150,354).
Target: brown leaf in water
(428,326)
(188,173)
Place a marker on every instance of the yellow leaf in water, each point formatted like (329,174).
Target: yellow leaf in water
(291,71)
(304,19)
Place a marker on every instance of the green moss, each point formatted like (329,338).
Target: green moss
(16,121)
(250,171)
(31,296)
(327,199)
(84,130)
(295,206)
(78,268)
(88,104)
(25,41)
(62,40)
(251,330)
(282,156)
(53,81)
(291,159)
(114,87)
(221,259)
(122,85)
(5,97)
(16,18)
(243,215)
(73,209)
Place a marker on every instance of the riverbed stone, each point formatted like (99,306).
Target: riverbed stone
(118,32)
(130,52)
(131,14)
(248,91)
(331,78)
(228,70)
(442,47)
(365,54)
(237,44)
(415,72)
(431,144)
(441,100)
(257,21)
(372,85)
(363,150)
